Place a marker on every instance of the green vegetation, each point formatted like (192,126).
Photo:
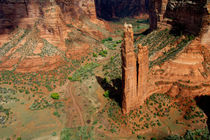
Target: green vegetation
(103,53)
(106,94)
(197,134)
(54,134)
(15,40)
(19,138)
(55,96)
(107,39)
(113,68)
(84,72)
(44,103)
(95,55)
(172,52)
(83,132)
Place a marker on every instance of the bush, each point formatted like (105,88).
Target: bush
(139,136)
(107,39)
(55,96)
(53,134)
(83,72)
(106,94)
(103,53)
(95,55)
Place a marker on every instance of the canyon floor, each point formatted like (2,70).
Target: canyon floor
(88,81)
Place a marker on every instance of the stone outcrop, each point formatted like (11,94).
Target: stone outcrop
(186,15)
(111,9)
(33,32)
(134,79)
(143,69)
(77,8)
(129,73)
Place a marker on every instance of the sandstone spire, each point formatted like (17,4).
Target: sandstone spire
(143,69)
(133,90)
(129,73)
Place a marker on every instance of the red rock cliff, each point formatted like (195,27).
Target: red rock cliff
(187,15)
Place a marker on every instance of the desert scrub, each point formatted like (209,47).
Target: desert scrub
(6,112)
(49,49)
(14,42)
(113,68)
(83,132)
(103,53)
(40,104)
(83,72)
(197,134)
(55,96)
(107,39)
(170,54)
(106,94)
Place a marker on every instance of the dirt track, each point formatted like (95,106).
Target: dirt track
(69,93)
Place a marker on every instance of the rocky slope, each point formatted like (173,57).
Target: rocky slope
(41,35)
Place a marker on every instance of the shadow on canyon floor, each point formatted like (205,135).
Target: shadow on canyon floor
(111,10)
(203,102)
(114,87)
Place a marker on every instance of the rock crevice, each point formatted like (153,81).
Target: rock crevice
(134,76)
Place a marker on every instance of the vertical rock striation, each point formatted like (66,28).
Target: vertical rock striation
(134,90)
(111,9)
(129,74)
(185,15)
(143,69)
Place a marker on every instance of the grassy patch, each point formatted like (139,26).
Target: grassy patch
(84,72)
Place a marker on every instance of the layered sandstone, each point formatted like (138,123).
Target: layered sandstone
(109,9)
(186,15)
(134,90)
(33,33)
(129,73)
(143,69)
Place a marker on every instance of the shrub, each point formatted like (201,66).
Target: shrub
(139,137)
(103,53)
(106,94)
(107,39)
(56,114)
(95,55)
(53,134)
(55,96)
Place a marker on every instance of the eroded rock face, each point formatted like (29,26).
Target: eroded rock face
(134,90)
(186,15)
(33,33)
(111,9)
(143,69)
(77,8)
(129,73)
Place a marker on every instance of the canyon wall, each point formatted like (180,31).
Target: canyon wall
(23,13)
(112,9)
(31,30)
(186,15)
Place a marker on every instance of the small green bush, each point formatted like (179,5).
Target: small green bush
(106,94)
(53,134)
(103,53)
(55,96)
(95,55)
